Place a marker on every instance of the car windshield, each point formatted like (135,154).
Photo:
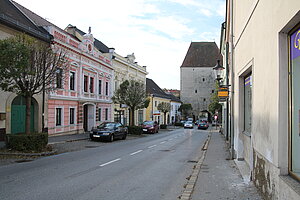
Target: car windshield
(106,126)
(188,122)
(148,123)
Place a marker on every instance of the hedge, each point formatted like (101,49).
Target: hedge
(135,130)
(178,124)
(163,126)
(27,142)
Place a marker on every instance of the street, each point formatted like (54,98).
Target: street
(152,167)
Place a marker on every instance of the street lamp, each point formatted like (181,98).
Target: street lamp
(219,70)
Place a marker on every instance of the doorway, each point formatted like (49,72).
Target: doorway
(18,115)
(89,119)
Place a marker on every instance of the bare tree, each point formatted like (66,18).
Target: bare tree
(28,67)
(133,94)
(164,107)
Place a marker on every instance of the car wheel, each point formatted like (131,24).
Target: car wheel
(111,138)
(124,137)
(92,138)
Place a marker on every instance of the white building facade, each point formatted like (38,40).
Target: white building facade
(262,42)
(126,68)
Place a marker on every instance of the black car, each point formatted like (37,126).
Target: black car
(203,125)
(109,131)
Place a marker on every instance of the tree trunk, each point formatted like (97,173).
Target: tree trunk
(28,114)
(132,117)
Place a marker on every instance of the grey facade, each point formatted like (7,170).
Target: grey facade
(197,81)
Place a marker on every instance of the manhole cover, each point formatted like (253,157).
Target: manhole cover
(22,161)
(91,146)
(192,161)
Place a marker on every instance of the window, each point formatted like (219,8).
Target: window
(72,115)
(247,103)
(213,91)
(106,113)
(203,79)
(58,116)
(85,83)
(99,114)
(72,80)
(116,85)
(195,91)
(106,88)
(140,116)
(294,144)
(91,85)
(204,99)
(59,73)
(100,87)
(155,103)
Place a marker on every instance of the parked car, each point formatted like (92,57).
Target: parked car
(150,127)
(203,125)
(109,131)
(188,124)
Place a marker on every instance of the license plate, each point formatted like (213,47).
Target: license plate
(145,130)
(96,135)
(105,134)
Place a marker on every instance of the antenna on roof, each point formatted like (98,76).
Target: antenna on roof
(90,30)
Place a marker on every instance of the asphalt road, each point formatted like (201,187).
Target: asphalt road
(148,168)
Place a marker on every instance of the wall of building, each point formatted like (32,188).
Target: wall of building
(6,98)
(260,47)
(196,87)
(86,62)
(127,69)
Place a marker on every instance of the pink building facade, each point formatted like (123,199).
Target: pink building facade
(83,96)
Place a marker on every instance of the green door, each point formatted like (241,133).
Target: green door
(18,115)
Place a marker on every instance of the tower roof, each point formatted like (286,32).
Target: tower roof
(202,54)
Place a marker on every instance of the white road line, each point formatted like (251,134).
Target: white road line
(110,162)
(152,146)
(163,142)
(139,151)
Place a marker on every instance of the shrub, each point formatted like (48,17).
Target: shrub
(135,130)
(178,124)
(27,142)
(163,126)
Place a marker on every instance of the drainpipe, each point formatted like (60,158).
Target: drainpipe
(232,80)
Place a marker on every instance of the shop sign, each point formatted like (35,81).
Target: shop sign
(223,92)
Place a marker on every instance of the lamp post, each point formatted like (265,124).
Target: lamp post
(224,94)
(218,69)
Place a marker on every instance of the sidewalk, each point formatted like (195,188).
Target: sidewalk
(219,178)
(54,139)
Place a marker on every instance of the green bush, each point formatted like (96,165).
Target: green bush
(135,130)
(163,126)
(27,142)
(178,124)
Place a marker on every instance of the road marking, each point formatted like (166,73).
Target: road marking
(152,146)
(139,151)
(110,162)
(163,142)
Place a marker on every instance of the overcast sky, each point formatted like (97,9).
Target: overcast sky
(158,32)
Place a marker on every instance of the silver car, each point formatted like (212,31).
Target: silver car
(188,124)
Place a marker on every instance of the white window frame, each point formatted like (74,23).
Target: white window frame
(62,116)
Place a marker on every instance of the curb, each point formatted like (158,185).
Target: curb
(73,140)
(30,154)
(187,193)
